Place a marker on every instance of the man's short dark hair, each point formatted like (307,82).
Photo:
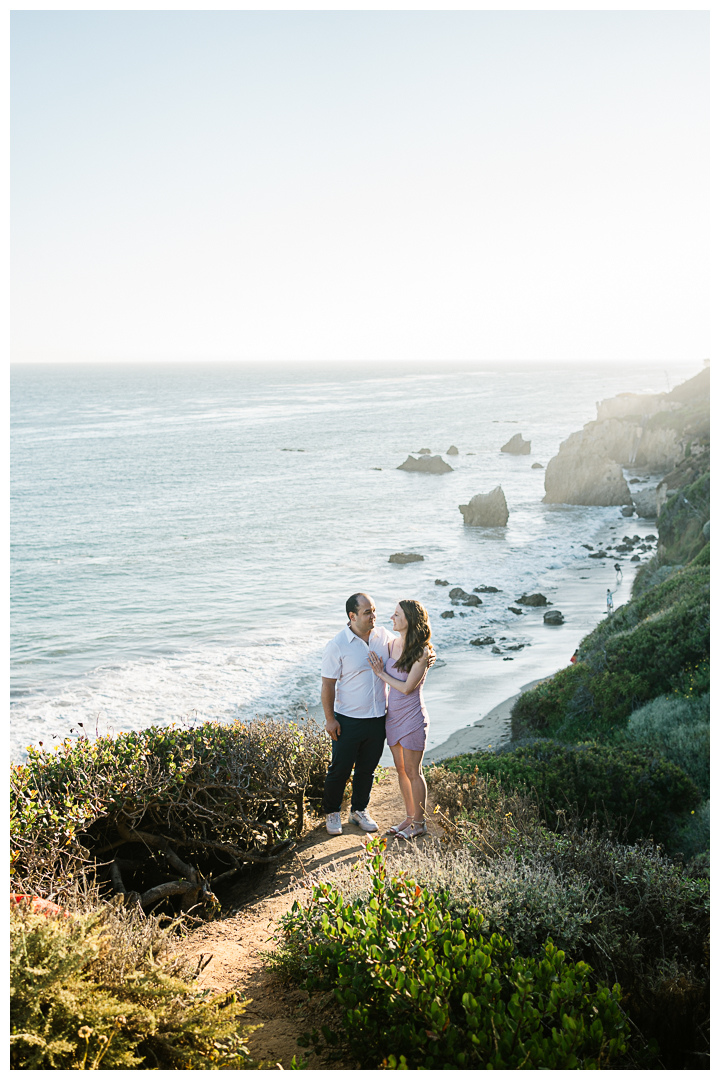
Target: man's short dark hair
(353,603)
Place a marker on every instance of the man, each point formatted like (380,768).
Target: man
(354,701)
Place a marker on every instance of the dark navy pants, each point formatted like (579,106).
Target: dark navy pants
(360,744)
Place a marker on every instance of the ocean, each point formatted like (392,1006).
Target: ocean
(184,536)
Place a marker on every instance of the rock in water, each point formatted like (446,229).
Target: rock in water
(424,450)
(537,465)
(645,502)
(627,511)
(483,641)
(432,464)
(405,557)
(516,445)
(554,618)
(439,581)
(535,599)
(452,450)
(581,476)
(486,510)
(447,614)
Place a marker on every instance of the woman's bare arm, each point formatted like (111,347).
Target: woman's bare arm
(415,675)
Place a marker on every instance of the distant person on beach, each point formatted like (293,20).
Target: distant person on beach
(610,603)
(354,703)
(406,727)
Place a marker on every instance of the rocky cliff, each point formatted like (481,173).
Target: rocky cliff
(653,432)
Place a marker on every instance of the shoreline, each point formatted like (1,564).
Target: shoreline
(496,725)
(470,694)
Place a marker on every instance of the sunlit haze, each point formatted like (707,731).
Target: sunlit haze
(332,185)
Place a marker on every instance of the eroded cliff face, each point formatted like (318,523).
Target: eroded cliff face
(653,432)
(581,475)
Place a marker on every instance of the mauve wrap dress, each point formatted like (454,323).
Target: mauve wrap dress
(407,718)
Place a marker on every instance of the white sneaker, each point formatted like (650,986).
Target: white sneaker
(333,824)
(363,819)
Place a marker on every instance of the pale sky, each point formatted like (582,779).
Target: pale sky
(368,185)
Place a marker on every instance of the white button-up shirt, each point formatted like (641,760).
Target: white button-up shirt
(358,691)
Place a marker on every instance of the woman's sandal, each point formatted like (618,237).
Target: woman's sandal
(395,830)
(417,828)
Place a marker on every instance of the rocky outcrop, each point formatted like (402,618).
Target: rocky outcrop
(554,618)
(453,450)
(405,557)
(486,510)
(577,475)
(516,445)
(645,502)
(535,599)
(432,464)
(483,641)
(467,599)
(655,432)
(631,405)
(537,465)
(441,581)
(447,614)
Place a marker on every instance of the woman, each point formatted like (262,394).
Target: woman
(407,721)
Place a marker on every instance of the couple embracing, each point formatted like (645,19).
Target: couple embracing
(372,691)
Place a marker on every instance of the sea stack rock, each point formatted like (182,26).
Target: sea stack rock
(535,599)
(432,464)
(581,476)
(486,510)
(516,445)
(452,450)
(645,502)
(406,557)
(554,618)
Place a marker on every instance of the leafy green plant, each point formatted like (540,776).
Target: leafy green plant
(413,981)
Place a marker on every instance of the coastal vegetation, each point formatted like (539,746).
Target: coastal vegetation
(203,800)
(94,981)
(562,920)
(585,846)
(100,989)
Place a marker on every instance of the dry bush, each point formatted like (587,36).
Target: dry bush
(201,802)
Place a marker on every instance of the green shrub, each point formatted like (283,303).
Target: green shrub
(627,660)
(679,728)
(636,786)
(693,839)
(223,794)
(411,981)
(71,1007)
(681,521)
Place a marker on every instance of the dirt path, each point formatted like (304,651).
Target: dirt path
(236,941)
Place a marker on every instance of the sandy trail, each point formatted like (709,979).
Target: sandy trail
(236,942)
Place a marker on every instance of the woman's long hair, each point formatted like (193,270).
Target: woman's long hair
(417,635)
